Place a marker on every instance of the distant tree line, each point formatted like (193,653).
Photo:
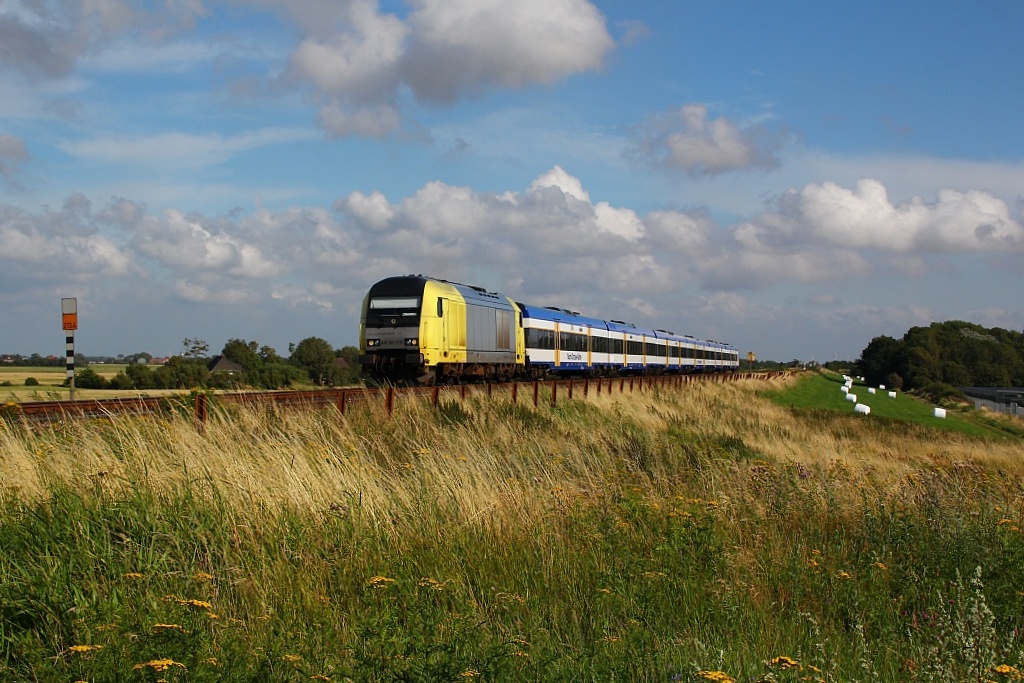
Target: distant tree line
(38,361)
(942,356)
(312,361)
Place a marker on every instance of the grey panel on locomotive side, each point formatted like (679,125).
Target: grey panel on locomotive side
(482,335)
(486,314)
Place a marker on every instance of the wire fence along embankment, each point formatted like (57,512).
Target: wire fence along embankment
(383,399)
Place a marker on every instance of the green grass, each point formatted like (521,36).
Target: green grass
(821,391)
(660,536)
(50,379)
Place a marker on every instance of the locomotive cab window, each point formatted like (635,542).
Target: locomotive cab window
(395,304)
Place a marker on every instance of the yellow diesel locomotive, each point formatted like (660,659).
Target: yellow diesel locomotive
(427,331)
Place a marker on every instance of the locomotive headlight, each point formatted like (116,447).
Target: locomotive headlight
(373,342)
(412,341)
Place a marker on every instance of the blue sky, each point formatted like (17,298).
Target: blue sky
(791,178)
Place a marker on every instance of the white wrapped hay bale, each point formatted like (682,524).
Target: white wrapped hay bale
(881,386)
(892,394)
(851,397)
(863,409)
(871,390)
(940,413)
(844,389)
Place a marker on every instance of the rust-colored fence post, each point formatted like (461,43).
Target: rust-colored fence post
(515,392)
(554,393)
(342,400)
(536,390)
(200,412)
(389,400)
(490,389)
(434,394)
(586,386)
(570,388)
(462,391)
(599,383)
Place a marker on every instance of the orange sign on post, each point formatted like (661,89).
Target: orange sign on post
(69,313)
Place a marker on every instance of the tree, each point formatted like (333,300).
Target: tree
(180,373)
(882,357)
(244,353)
(351,374)
(316,357)
(195,348)
(269,355)
(141,376)
(86,378)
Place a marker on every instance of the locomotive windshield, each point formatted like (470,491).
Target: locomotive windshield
(395,305)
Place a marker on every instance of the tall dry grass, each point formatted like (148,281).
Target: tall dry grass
(648,535)
(482,460)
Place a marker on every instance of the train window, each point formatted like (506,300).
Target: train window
(395,303)
(540,339)
(635,348)
(440,307)
(570,341)
(615,346)
(599,344)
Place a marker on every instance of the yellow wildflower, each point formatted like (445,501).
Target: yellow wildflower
(202,576)
(843,575)
(134,575)
(201,604)
(470,673)
(784,662)
(81,649)
(159,665)
(380,581)
(880,565)
(1007,670)
(1004,520)
(719,676)
(160,628)
(294,659)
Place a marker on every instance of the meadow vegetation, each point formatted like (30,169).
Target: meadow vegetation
(718,532)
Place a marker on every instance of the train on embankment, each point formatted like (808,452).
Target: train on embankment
(426,331)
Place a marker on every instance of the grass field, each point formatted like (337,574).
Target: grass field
(51,379)
(12,380)
(821,391)
(703,534)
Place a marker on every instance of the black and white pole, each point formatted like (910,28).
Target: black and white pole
(69,318)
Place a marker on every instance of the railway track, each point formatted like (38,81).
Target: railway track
(385,398)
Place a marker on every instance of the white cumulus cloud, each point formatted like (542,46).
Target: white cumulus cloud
(687,140)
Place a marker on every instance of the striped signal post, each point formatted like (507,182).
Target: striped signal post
(69,320)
